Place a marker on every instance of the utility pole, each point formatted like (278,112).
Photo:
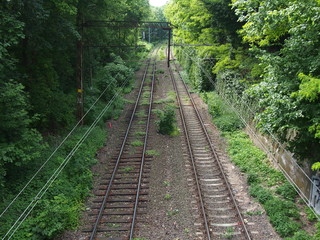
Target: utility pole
(79,70)
(169,40)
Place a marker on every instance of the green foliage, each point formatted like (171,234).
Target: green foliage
(287,191)
(280,208)
(286,48)
(140,133)
(172,212)
(166,183)
(58,214)
(260,193)
(38,95)
(229,233)
(254,213)
(310,214)
(167,196)
(60,207)
(301,235)
(20,144)
(223,117)
(136,143)
(167,120)
(281,215)
(152,153)
(309,88)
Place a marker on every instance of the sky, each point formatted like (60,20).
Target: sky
(157,3)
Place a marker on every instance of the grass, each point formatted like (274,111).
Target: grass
(146,88)
(140,134)
(127,169)
(127,90)
(267,185)
(129,101)
(141,113)
(167,196)
(173,212)
(160,71)
(254,213)
(152,153)
(144,102)
(223,117)
(136,143)
(171,98)
(146,94)
(229,233)
(113,225)
(166,183)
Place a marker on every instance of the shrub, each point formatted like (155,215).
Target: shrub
(286,191)
(281,215)
(167,122)
(223,117)
(263,195)
(253,177)
(301,235)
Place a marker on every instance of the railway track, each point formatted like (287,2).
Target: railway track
(220,215)
(123,193)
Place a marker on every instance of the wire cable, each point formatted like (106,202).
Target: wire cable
(53,177)
(59,146)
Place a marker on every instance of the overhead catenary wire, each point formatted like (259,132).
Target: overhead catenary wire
(291,181)
(57,148)
(53,177)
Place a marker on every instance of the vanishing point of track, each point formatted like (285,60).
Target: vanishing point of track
(123,194)
(221,216)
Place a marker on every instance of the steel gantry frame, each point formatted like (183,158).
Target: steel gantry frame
(112,25)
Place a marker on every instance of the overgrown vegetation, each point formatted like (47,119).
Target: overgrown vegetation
(266,184)
(167,123)
(152,152)
(266,55)
(261,57)
(223,117)
(60,207)
(38,65)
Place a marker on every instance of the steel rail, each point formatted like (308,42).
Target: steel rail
(95,227)
(206,224)
(143,153)
(217,158)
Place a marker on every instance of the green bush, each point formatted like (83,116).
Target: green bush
(228,122)
(262,194)
(301,235)
(223,117)
(287,191)
(253,177)
(282,215)
(60,207)
(167,122)
(282,212)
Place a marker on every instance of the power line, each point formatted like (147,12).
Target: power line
(52,154)
(53,177)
